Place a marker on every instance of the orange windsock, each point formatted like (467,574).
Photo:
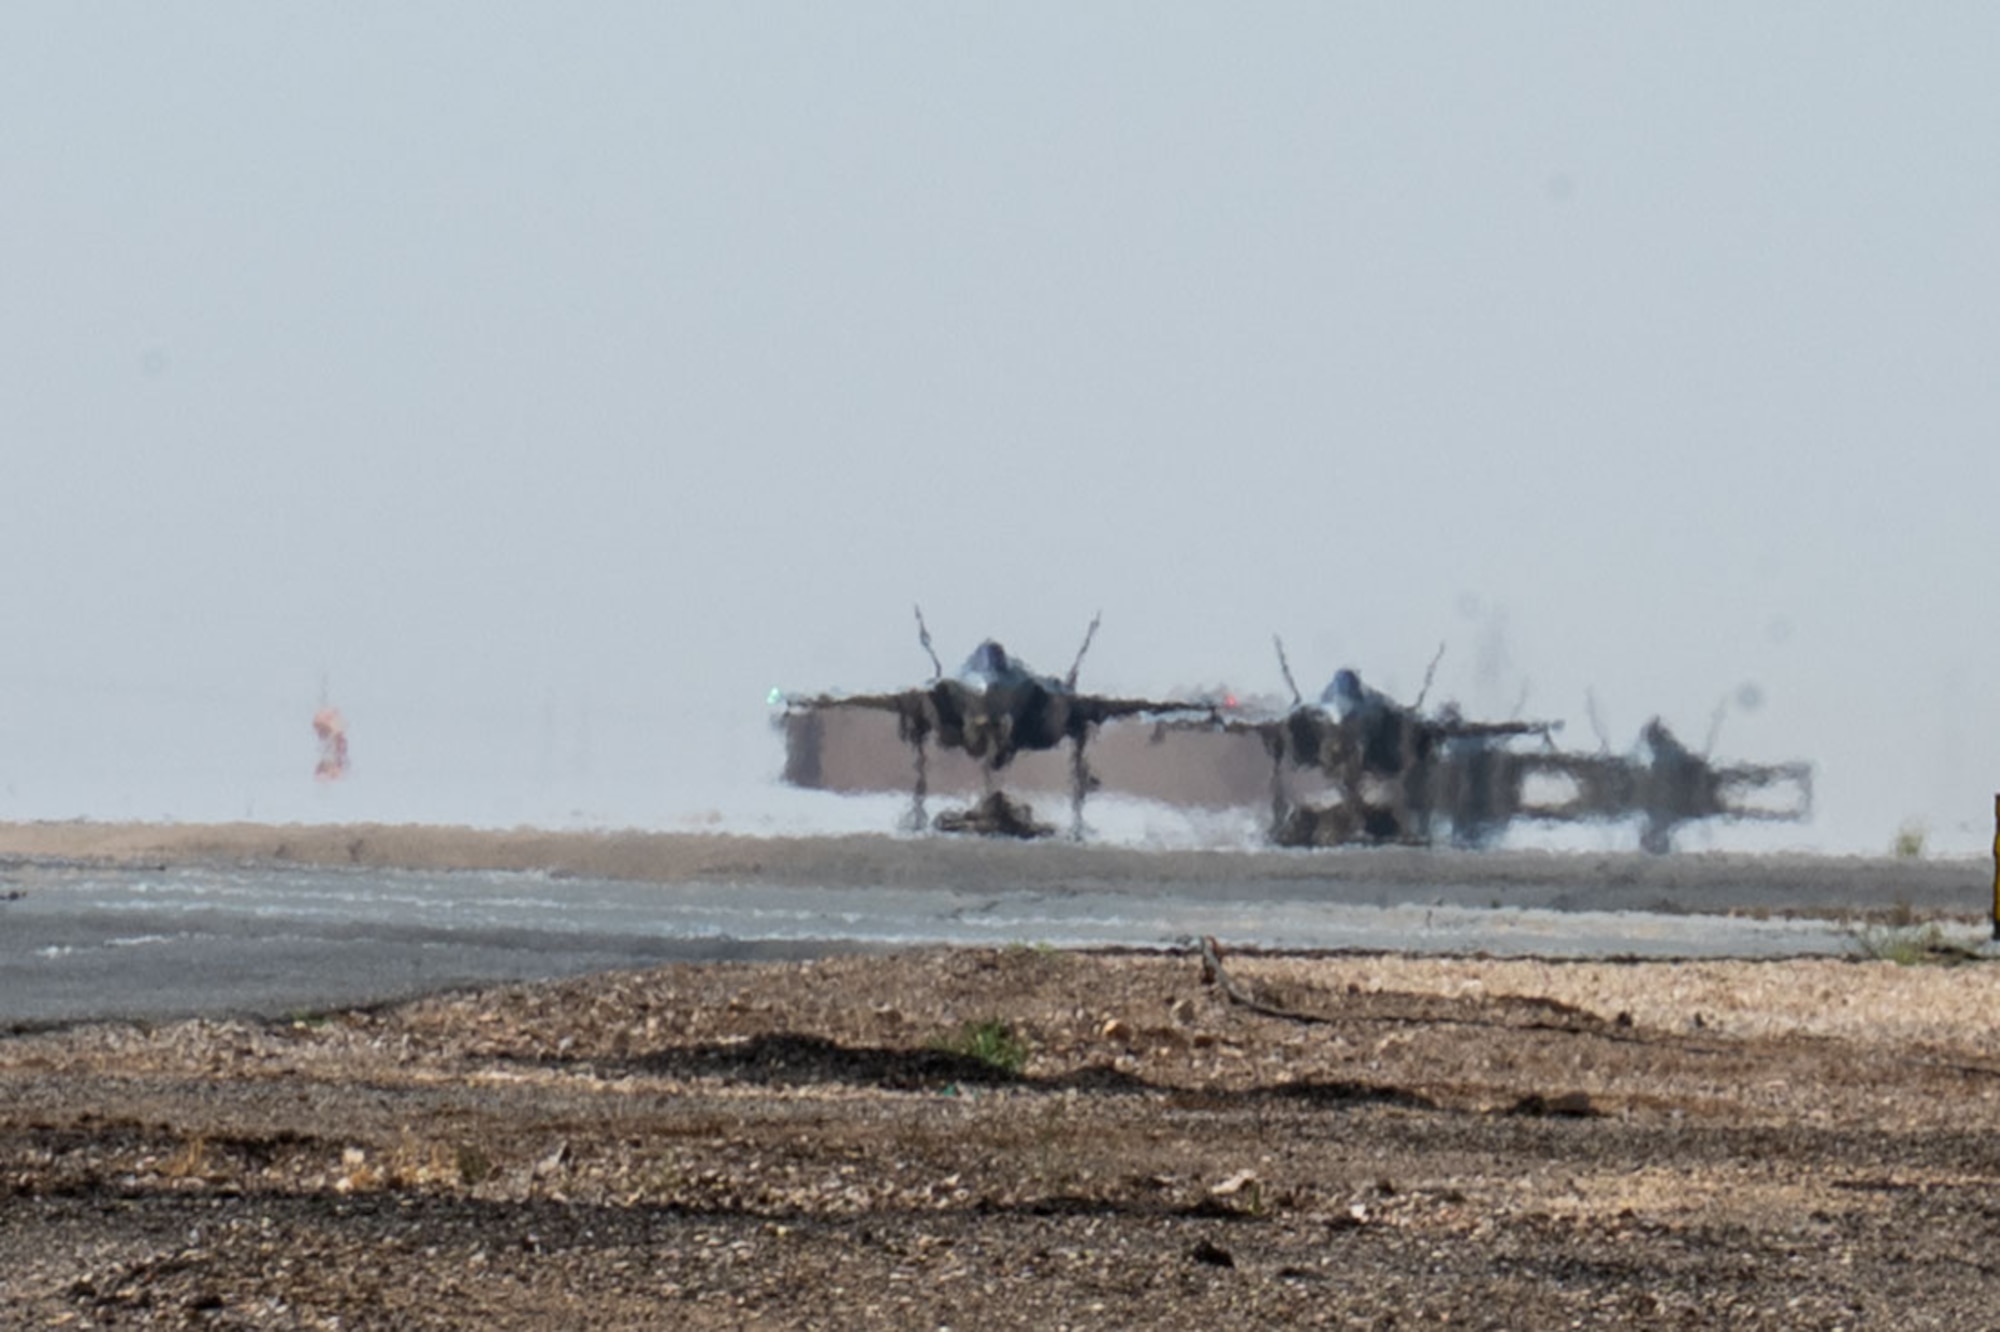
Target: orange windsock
(331,728)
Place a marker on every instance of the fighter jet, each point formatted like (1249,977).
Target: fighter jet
(1662,781)
(1390,772)
(1399,775)
(992,708)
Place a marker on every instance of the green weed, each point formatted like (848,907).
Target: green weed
(991,1042)
(1911,945)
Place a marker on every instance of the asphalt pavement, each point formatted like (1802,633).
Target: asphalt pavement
(84,943)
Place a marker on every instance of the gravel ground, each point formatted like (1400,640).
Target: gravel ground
(1379,1142)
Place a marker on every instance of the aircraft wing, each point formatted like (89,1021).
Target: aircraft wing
(1465,730)
(896,702)
(1098,708)
(1190,765)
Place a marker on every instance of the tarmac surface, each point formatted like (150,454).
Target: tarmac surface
(153,922)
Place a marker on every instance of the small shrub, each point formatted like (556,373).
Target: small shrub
(473,1165)
(991,1042)
(1911,945)
(190,1162)
(1909,843)
(1040,948)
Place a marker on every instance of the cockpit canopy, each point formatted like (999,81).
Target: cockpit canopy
(989,664)
(1344,694)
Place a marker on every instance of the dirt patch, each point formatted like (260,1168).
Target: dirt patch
(1396,1142)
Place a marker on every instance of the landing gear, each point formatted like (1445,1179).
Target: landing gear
(995,816)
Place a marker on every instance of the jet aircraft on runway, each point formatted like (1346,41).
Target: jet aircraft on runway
(1393,771)
(992,708)
(1353,766)
(1399,775)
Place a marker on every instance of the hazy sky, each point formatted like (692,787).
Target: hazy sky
(552,381)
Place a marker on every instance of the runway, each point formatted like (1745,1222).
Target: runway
(216,926)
